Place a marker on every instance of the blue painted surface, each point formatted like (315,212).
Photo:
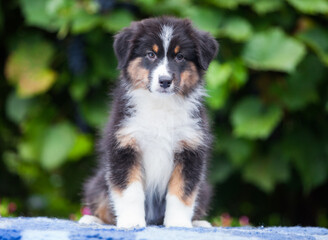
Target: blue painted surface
(56,229)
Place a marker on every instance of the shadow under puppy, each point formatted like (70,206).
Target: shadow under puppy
(154,149)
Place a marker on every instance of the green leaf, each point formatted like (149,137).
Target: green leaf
(83,146)
(308,152)
(236,28)
(217,74)
(78,88)
(206,19)
(84,22)
(252,119)
(266,6)
(95,111)
(58,142)
(36,14)
(230,4)
(117,20)
(217,98)
(273,50)
(28,67)
(239,74)
(229,144)
(265,173)
(310,6)
(221,170)
(317,39)
(17,108)
(301,88)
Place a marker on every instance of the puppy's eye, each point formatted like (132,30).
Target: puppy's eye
(151,55)
(179,57)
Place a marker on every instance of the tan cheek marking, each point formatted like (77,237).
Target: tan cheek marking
(190,77)
(103,211)
(135,174)
(176,49)
(155,48)
(138,75)
(176,187)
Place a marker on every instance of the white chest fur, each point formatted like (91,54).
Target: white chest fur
(159,124)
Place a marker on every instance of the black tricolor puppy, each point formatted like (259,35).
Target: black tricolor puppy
(154,150)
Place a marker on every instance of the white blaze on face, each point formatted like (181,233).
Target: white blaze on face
(162,68)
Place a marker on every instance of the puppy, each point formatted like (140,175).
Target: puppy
(154,149)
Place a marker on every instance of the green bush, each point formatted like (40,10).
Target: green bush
(268,101)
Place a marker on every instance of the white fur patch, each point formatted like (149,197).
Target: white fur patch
(177,214)
(162,68)
(158,125)
(166,36)
(160,71)
(129,206)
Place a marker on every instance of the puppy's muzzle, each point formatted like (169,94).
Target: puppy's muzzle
(165,81)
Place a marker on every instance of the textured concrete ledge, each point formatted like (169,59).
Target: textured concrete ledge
(57,229)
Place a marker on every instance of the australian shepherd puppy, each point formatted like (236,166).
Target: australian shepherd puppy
(154,149)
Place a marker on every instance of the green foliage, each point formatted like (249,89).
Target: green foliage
(252,119)
(273,50)
(267,96)
(27,67)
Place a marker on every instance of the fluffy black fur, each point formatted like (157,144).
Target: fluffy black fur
(198,49)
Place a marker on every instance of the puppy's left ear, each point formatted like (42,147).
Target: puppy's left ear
(123,45)
(206,47)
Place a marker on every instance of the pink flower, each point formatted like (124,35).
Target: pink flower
(86,211)
(12,207)
(226,220)
(244,221)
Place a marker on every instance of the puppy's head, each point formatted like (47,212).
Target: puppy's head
(164,55)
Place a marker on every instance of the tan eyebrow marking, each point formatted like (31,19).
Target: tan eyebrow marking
(155,48)
(176,49)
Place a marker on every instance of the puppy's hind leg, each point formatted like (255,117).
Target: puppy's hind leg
(97,200)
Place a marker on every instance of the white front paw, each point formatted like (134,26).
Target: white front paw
(130,222)
(177,222)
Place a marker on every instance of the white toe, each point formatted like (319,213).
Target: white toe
(89,219)
(201,223)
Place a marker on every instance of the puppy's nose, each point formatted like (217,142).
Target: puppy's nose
(165,81)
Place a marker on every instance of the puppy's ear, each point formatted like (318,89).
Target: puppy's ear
(123,45)
(206,47)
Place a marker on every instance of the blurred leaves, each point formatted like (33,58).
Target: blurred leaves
(253,119)
(265,173)
(273,50)
(266,6)
(117,20)
(236,28)
(206,19)
(28,67)
(58,142)
(267,91)
(316,38)
(310,6)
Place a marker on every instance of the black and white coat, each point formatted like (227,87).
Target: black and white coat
(154,149)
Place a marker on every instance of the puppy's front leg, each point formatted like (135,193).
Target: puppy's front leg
(183,189)
(126,188)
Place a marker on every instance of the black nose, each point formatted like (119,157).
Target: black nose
(165,81)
